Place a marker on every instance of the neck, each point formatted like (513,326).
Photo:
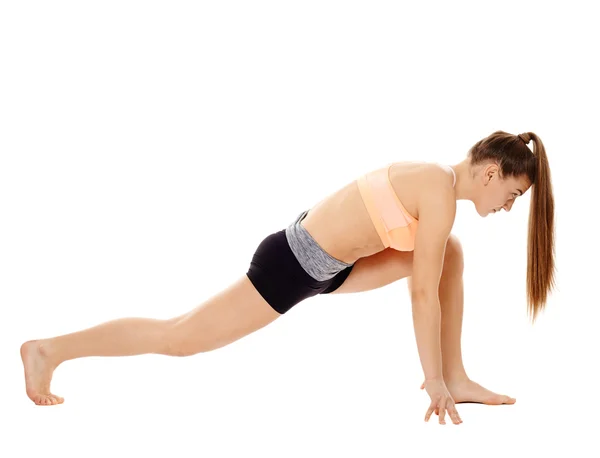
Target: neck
(464,182)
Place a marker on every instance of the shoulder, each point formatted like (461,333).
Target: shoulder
(428,172)
(436,180)
(427,188)
(436,199)
(439,173)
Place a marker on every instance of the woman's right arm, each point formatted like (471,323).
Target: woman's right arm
(437,209)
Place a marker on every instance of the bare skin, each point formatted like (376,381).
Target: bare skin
(389,266)
(341,225)
(229,315)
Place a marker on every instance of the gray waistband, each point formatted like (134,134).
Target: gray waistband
(314,260)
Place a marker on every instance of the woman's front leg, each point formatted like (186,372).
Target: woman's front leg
(390,265)
(451,294)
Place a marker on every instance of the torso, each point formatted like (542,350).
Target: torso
(341,224)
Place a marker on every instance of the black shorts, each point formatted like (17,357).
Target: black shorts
(281,280)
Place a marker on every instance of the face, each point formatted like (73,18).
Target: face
(495,193)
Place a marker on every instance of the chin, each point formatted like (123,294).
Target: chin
(482,214)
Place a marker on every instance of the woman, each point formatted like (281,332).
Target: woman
(389,224)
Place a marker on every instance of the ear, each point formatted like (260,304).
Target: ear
(490,172)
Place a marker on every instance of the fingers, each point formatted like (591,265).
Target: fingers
(442,406)
(440,403)
(430,410)
(454,415)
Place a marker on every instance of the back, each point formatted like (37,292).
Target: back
(341,222)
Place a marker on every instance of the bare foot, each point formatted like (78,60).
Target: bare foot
(38,374)
(466,390)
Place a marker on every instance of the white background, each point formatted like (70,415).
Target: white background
(148,147)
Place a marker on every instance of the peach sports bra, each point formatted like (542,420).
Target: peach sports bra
(396,227)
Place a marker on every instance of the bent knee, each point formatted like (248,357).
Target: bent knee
(453,258)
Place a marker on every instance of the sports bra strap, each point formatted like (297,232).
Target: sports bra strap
(452,170)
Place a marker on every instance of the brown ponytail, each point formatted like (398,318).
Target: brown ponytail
(540,242)
(515,159)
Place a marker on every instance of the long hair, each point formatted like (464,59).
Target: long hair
(516,159)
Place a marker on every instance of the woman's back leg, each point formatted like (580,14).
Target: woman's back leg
(231,314)
(225,317)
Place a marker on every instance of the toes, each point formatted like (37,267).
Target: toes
(55,400)
(47,400)
(502,399)
(509,400)
(495,400)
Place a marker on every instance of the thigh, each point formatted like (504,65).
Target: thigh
(223,318)
(377,270)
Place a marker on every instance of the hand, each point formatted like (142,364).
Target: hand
(441,400)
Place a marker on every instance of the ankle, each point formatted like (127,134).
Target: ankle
(48,350)
(455,376)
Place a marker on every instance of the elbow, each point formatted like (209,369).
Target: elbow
(426,303)
(424,295)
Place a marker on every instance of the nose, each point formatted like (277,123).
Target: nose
(508,205)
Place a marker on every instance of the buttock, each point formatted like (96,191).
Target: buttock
(280,278)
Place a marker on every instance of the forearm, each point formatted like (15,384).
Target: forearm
(426,321)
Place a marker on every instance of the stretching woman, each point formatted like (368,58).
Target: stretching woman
(388,224)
